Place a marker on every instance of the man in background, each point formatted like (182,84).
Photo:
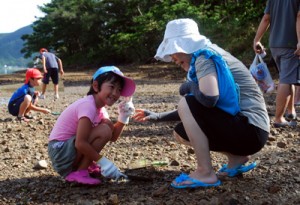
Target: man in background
(283,18)
(52,65)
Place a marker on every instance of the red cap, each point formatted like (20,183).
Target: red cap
(43,50)
(32,73)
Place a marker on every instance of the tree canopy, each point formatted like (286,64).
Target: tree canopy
(97,32)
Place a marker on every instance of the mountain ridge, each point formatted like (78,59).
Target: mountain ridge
(10,48)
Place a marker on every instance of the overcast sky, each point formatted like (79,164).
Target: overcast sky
(15,14)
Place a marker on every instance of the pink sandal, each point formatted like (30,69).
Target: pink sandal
(82,177)
(94,170)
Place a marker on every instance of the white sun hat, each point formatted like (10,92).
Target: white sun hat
(181,36)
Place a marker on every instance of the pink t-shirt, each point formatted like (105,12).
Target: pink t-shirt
(67,123)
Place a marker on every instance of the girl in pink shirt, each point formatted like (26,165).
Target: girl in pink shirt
(84,128)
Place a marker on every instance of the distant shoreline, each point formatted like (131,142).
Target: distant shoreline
(11,70)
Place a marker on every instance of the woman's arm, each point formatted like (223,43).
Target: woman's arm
(143,115)
(207,93)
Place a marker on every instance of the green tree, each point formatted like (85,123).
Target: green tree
(93,32)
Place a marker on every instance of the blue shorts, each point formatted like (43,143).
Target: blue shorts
(288,65)
(14,106)
(225,133)
(53,73)
(62,155)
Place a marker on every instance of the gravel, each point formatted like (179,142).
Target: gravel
(26,175)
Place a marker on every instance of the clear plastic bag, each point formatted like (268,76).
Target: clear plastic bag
(261,74)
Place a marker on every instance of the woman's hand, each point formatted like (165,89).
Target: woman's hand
(140,115)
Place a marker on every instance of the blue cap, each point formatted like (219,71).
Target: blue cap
(129,84)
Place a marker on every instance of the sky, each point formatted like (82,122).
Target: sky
(16,14)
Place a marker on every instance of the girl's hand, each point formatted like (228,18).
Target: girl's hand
(126,110)
(109,169)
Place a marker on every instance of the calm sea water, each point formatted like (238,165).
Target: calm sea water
(9,88)
(10,69)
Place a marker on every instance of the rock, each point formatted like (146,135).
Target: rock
(274,132)
(161,191)
(21,136)
(274,189)
(297,179)
(274,181)
(281,144)
(203,202)
(42,164)
(272,138)
(87,202)
(113,199)
(190,151)
(174,163)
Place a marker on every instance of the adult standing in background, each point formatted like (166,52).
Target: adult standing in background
(297,96)
(283,18)
(51,63)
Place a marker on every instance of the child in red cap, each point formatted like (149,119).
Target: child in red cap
(24,99)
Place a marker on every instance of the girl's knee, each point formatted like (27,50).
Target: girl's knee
(99,138)
(101,132)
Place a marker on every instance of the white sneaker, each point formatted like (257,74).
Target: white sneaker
(56,97)
(42,96)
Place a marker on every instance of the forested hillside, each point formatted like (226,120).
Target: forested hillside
(93,32)
(10,48)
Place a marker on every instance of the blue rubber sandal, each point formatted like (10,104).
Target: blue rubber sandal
(195,183)
(238,170)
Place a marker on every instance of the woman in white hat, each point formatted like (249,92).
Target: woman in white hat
(222,108)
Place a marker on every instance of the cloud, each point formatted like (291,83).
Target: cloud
(15,14)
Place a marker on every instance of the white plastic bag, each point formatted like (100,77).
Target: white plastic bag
(261,74)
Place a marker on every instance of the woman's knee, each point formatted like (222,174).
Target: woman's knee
(180,140)
(182,107)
